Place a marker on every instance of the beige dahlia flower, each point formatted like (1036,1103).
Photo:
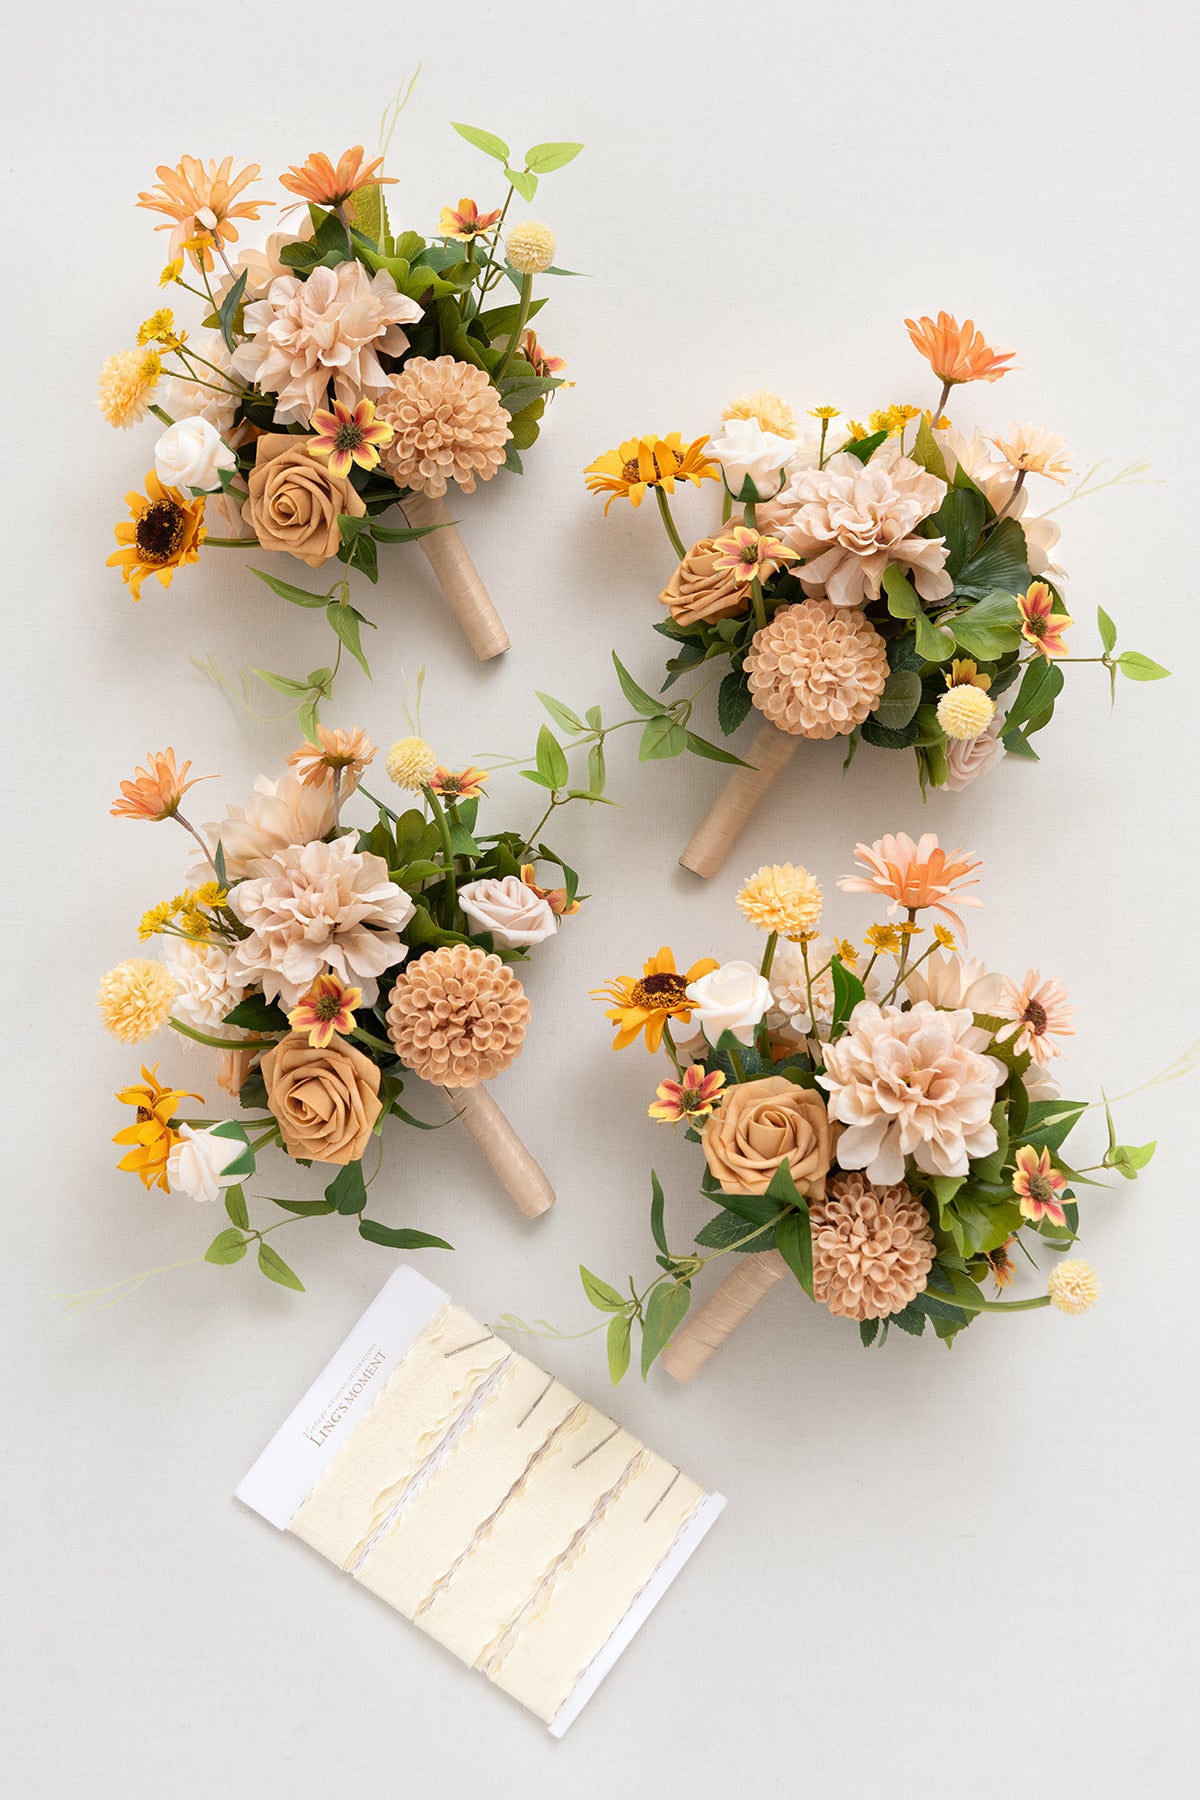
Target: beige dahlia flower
(319,907)
(817,670)
(457,1016)
(911,1084)
(849,521)
(447,423)
(276,815)
(873,1248)
(332,327)
(950,982)
(791,982)
(207,988)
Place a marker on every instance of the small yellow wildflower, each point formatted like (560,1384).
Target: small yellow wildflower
(883,940)
(824,412)
(962,669)
(880,419)
(942,424)
(909,928)
(159,328)
(210,893)
(194,924)
(857,431)
(171,273)
(945,937)
(847,951)
(155,918)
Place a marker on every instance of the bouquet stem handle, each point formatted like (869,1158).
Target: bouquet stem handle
(518,1172)
(733,808)
(457,575)
(754,1275)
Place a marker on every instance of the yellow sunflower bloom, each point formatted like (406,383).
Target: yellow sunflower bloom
(163,531)
(649,462)
(646,1005)
(151,1135)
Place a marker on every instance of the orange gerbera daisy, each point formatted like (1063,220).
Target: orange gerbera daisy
(317,180)
(695,1097)
(649,462)
(1037,1012)
(1041,626)
(327,1008)
(151,1136)
(750,555)
(156,790)
(648,1004)
(957,352)
(914,876)
(346,752)
(162,533)
(1038,1184)
(202,204)
(467,784)
(465,221)
(555,898)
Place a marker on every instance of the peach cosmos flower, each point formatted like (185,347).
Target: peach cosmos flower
(1038,1184)
(465,221)
(1037,1012)
(539,360)
(914,876)
(957,353)
(555,898)
(1041,626)
(326,1009)
(201,204)
(695,1097)
(317,180)
(1031,451)
(750,555)
(349,437)
(345,753)
(156,790)
(467,784)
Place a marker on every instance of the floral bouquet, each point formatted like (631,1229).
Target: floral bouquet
(326,962)
(342,371)
(877,1122)
(891,586)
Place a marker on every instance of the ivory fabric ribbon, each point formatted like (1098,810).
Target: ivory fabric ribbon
(503,1515)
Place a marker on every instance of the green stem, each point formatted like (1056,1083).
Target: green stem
(395,817)
(202,1037)
(756,597)
(672,1052)
(160,414)
(367,1037)
(669,524)
(769,954)
(443,825)
(518,328)
(222,543)
(982,1305)
(739,1068)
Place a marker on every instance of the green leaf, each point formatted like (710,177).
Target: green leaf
(865,448)
(551,759)
(899,700)
(990,629)
(597,771)
(562,715)
(348,1191)
(733,701)
(926,452)
(257,1013)
(487,141)
(1000,563)
(756,1209)
(306,1209)
(228,1246)
(400,1237)
(726,1231)
(959,519)
(933,643)
(523,181)
(1139,667)
(910,1319)
(657,1229)
(848,990)
(235,1206)
(712,752)
(544,158)
(662,737)
(666,1310)
(637,696)
(345,621)
(619,1330)
(407,534)
(368,210)
(603,1297)
(298,596)
(228,309)
(1128,1159)
(868,1331)
(1040,687)
(793,1240)
(275,1269)
(1108,631)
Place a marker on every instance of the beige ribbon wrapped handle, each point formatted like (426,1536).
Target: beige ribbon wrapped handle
(754,1275)
(745,790)
(457,575)
(517,1170)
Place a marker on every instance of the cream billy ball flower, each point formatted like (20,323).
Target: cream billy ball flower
(965,711)
(530,247)
(410,762)
(135,999)
(1073,1286)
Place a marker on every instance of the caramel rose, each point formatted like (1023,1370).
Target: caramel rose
(697,590)
(762,1123)
(294,501)
(326,1101)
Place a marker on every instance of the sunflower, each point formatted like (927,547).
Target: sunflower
(163,532)
(661,994)
(648,462)
(152,1134)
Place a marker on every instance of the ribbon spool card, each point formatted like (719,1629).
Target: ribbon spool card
(520,1527)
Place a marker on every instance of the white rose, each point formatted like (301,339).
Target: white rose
(746,452)
(198,1163)
(510,910)
(189,454)
(731,998)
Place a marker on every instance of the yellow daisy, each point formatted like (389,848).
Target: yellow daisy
(648,462)
(163,532)
(648,1003)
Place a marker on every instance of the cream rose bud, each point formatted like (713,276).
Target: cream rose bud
(746,452)
(732,998)
(190,453)
(197,1164)
(510,910)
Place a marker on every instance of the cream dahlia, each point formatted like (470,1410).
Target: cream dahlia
(817,670)
(791,982)
(208,988)
(276,815)
(849,521)
(911,1084)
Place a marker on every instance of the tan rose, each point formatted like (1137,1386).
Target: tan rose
(326,1101)
(697,590)
(758,1125)
(294,501)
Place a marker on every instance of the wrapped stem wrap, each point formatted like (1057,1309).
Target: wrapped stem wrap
(457,575)
(519,1173)
(733,808)
(753,1275)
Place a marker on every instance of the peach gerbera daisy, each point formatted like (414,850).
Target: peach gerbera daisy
(695,1097)
(317,180)
(1031,451)
(201,204)
(957,353)
(649,1003)
(1041,626)
(466,784)
(1038,1185)
(344,753)
(156,790)
(914,876)
(750,555)
(1037,1012)
(162,533)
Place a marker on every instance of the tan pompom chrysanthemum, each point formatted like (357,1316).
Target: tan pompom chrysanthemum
(783,898)
(448,423)
(964,711)
(772,413)
(457,1016)
(410,763)
(817,670)
(872,1248)
(1073,1286)
(530,247)
(135,999)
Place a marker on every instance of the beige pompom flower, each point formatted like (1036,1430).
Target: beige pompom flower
(783,898)
(1073,1286)
(964,711)
(449,425)
(135,999)
(410,763)
(530,247)
(771,411)
(817,670)
(457,1016)
(127,381)
(872,1246)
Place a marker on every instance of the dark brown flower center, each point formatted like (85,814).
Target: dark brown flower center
(1040,1188)
(660,993)
(328,1006)
(631,470)
(1036,626)
(143,1115)
(1035,1017)
(348,437)
(160,531)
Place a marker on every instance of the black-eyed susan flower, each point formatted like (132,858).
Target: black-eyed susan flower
(649,462)
(162,533)
(152,1137)
(649,1003)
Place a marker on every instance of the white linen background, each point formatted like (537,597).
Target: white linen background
(972,1572)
